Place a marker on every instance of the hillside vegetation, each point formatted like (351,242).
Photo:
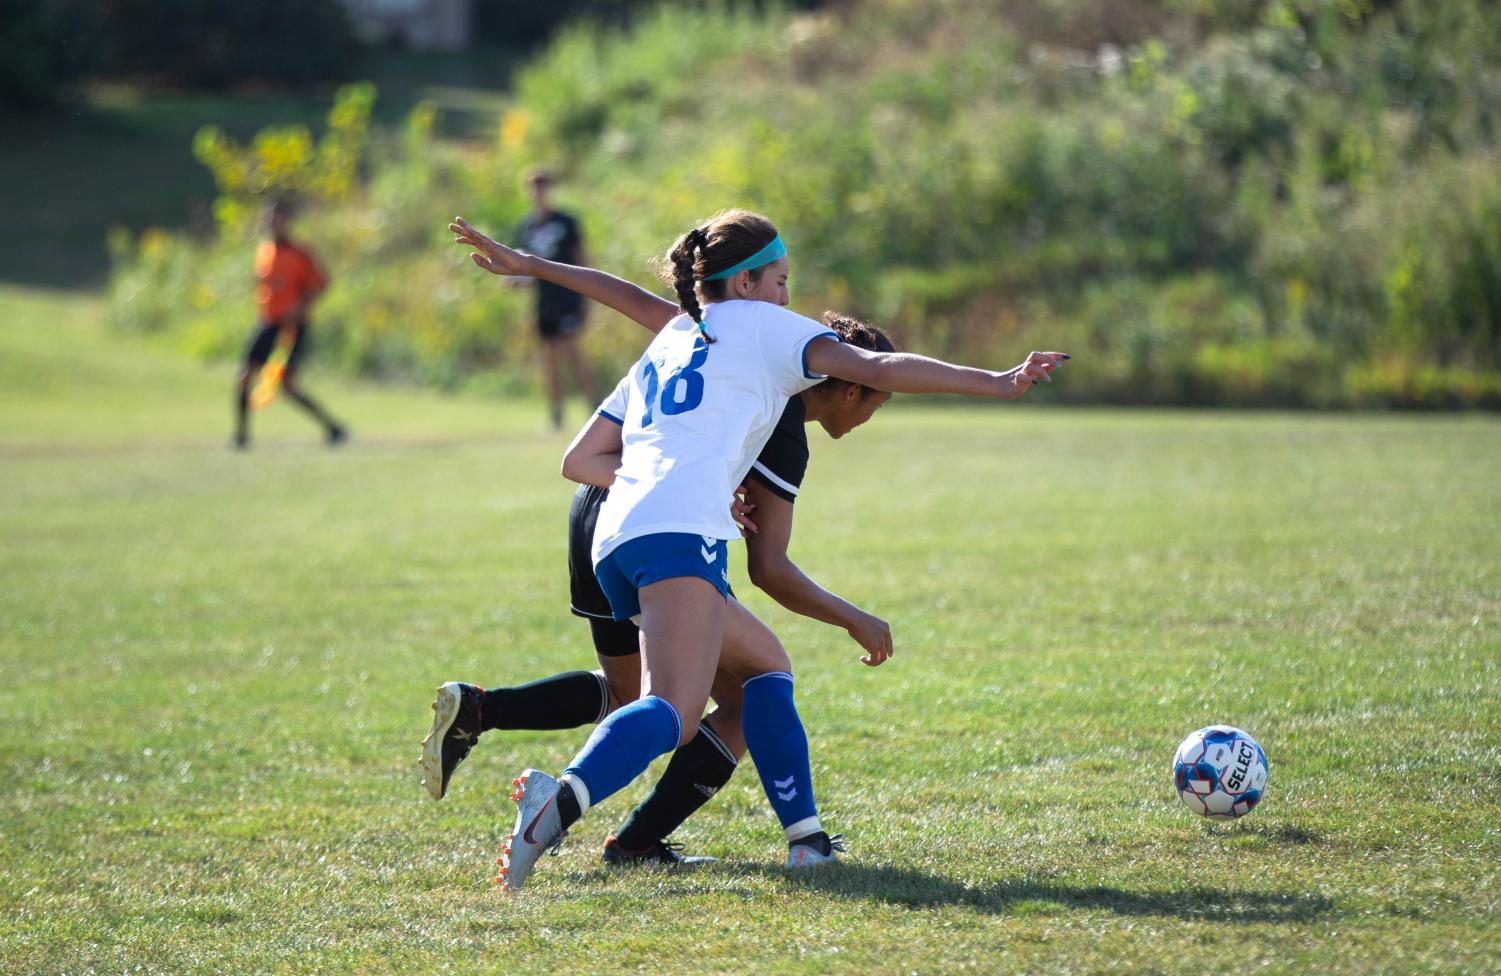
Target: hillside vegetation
(1222,201)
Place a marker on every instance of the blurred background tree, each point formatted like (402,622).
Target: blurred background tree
(1247,202)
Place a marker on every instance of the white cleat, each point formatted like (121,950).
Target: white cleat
(801,855)
(539,827)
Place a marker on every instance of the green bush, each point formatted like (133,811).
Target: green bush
(1269,203)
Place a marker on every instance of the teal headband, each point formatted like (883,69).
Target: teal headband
(766,255)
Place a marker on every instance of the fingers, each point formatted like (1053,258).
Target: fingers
(746,525)
(878,647)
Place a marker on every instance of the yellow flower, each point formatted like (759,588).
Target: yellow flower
(514,125)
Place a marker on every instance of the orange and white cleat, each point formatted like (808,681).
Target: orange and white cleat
(539,827)
(814,851)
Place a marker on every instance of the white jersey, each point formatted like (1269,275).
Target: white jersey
(696,415)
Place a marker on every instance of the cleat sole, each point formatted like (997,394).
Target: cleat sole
(445,710)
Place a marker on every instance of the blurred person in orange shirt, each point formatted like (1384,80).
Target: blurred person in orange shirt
(288,281)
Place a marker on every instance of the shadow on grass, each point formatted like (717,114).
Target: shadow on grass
(914,889)
(1024,897)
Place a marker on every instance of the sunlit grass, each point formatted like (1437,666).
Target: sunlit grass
(215,669)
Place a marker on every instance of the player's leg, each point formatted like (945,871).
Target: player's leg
(257,351)
(289,383)
(578,365)
(696,773)
(682,624)
(775,738)
(242,407)
(463,712)
(705,764)
(551,381)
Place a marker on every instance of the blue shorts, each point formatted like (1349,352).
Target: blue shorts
(653,558)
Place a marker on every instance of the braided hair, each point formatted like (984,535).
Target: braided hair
(725,240)
(861,335)
(683,257)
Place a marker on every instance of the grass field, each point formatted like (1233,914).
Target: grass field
(214,671)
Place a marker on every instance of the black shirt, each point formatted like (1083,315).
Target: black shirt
(554,236)
(784,460)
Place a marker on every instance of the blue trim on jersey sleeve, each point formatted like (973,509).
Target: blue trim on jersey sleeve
(806,373)
(611,417)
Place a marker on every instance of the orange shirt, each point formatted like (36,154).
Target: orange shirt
(285,275)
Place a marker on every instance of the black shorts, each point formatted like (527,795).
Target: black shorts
(263,341)
(585,597)
(556,321)
(612,638)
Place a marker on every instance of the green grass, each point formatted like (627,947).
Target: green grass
(214,671)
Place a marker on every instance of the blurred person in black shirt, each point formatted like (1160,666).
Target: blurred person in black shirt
(554,235)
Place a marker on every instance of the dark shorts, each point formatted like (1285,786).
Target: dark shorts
(263,341)
(612,638)
(650,559)
(557,318)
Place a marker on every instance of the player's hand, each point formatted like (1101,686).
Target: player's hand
(873,634)
(491,255)
(1038,368)
(740,510)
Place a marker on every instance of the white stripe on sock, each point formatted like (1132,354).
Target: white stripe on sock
(804,827)
(765,674)
(604,696)
(717,742)
(581,792)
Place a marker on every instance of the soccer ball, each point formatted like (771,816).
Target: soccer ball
(1220,772)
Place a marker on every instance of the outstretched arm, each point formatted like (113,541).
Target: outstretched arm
(774,572)
(632,301)
(901,372)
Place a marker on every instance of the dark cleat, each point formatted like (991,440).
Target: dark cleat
(660,854)
(456,727)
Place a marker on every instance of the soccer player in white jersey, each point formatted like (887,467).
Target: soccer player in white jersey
(703,399)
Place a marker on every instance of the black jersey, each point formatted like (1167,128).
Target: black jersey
(780,467)
(784,460)
(555,237)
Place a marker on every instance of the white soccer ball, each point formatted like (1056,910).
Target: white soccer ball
(1220,772)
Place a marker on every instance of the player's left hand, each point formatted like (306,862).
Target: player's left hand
(491,255)
(1037,368)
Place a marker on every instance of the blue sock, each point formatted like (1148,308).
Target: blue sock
(621,748)
(774,735)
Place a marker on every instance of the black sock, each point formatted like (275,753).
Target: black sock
(563,701)
(568,805)
(696,772)
(242,410)
(311,406)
